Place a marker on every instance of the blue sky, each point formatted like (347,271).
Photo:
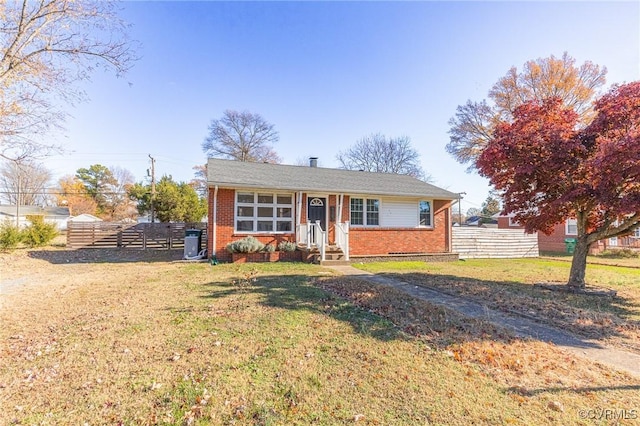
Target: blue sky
(326,74)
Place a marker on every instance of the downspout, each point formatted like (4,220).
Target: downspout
(214,224)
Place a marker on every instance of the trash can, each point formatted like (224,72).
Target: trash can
(192,242)
(570,245)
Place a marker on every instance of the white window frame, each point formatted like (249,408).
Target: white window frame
(513,221)
(636,233)
(431,225)
(365,211)
(255,218)
(568,223)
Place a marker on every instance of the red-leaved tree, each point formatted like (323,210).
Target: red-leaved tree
(549,168)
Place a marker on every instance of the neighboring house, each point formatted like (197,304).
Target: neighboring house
(57,215)
(556,241)
(358,213)
(85,217)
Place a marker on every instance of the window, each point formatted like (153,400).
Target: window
(571,227)
(636,233)
(425,214)
(513,221)
(264,212)
(368,217)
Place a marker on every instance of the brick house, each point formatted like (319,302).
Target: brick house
(356,213)
(555,242)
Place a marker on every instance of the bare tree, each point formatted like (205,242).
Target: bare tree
(24,183)
(242,136)
(119,205)
(378,153)
(472,126)
(46,47)
(199,181)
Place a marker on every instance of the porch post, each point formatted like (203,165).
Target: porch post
(214,224)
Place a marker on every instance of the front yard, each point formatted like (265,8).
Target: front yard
(98,338)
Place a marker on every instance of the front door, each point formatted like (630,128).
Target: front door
(317,210)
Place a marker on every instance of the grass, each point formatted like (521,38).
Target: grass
(507,285)
(271,344)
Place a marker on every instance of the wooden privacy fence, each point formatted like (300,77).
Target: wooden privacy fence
(127,235)
(471,242)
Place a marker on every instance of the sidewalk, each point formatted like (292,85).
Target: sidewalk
(520,326)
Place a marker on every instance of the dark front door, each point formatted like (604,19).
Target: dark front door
(317,210)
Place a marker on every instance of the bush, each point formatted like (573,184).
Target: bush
(287,246)
(269,248)
(625,253)
(39,232)
(10,236)
(245,245)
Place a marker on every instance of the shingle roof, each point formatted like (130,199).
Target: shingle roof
(238,174)
(10,210)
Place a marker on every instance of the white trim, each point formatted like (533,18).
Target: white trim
(255,205)
(365,223)
(431,224)
(566,227)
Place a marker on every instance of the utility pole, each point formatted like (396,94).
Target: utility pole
(153,188)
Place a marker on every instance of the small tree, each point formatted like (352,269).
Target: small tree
(38,233)
(378,153)
(174,202)
(549,167)
(10,236)
(242,136)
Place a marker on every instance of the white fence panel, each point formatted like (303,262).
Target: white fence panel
(472,243)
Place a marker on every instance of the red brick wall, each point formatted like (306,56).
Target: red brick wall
(370,241)
(225,234)
(363,241)
(555,241)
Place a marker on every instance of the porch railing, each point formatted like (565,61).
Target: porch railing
(317,237)
(342,238)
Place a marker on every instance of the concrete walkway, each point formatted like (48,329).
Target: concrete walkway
(520,326)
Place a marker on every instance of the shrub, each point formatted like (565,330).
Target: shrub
(39,232)
(620,253)
(269,248)
(10,236)
(245,245)
(287,246)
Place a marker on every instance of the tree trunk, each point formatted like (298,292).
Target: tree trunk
(579,264)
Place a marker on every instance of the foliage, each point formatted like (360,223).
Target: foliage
(10,236)
(490,206)
(73,194)
(24,182)
(625,253)
(269,248)
(242,136)
(38,233)
(548,168)
(108,189)
(245,245)
(473,125)
(46,48)
(379,153)
(287,246)
(173,201)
